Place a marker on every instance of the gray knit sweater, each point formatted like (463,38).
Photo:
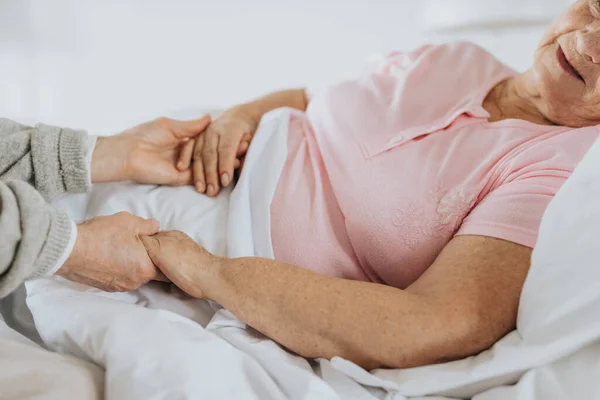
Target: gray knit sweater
(36,165)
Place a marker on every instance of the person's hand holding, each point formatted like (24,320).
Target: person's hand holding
(109,254)
(219,149)
(156,152)
(183,261)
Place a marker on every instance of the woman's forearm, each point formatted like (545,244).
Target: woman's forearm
(317,316)
(465,301)
(293,98)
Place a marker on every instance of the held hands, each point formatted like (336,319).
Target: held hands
(121,252)
(219,150)
(109,254)
(171,152)
(184,262)
(153,153)
(117,252)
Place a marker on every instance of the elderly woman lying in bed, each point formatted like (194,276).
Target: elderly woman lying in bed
(403,220)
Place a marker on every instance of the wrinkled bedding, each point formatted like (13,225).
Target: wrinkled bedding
(157,343)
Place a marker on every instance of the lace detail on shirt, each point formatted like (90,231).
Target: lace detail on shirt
(419,224)
(454,206)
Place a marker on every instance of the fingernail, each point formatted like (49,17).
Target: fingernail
(200,186)
(180,165)
(225,179)
(211,189)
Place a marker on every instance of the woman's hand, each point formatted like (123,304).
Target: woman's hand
(187,264)
(151,153)
(218,150)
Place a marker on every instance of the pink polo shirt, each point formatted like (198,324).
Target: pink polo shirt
(385,169)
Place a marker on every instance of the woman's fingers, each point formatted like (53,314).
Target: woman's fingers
(242,148)
(216,157)
(228,149)
(198,166)
(244,144)
(210,158)
(185,155)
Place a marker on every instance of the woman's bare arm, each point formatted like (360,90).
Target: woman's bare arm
(293,98)
(466,301)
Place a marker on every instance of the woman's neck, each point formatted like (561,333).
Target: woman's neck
(512,99)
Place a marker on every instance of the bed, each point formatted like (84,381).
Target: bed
(198,350)
(553,354)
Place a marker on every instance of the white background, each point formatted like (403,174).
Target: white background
(104,65)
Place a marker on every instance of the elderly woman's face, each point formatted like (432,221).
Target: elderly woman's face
(567,66)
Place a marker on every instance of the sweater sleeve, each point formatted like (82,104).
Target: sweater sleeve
(52,160)
(34,236)
(37,164)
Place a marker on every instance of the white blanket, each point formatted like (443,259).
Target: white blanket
(156,343)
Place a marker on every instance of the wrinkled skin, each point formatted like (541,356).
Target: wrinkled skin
(562,97)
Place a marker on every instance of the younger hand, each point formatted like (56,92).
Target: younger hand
(218,150)
(152,153)
(109,255)
(184,262)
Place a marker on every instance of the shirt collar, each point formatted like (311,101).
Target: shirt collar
(441,84)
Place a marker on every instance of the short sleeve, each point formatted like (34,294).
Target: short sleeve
(513,211)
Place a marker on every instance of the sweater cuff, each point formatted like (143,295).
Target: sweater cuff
(75,169)
(59,239)
(67,252)
(59,161)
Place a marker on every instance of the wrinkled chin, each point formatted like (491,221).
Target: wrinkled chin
(567,114)
(557,95)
